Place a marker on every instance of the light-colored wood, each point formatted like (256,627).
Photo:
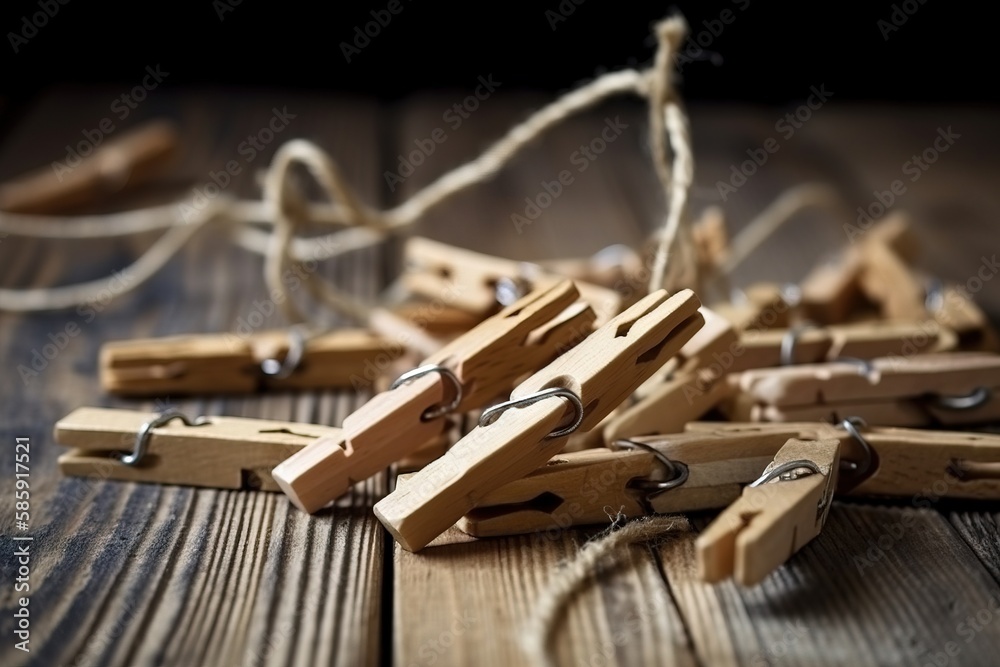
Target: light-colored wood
(768,523)
(468,280)
(404,331)
(833,289)
(761,306)
(672,404)
(762,349)
(123,161)
(385,429)
(486,360)
(960,313)
(601,371)
(518,340)
(889,282)
(227,453)
(955,374)
(580,488)
(230,364)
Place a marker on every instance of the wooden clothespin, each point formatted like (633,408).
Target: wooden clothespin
(874,265)
(467,373)
(954,309)
(955,388)
(481,283)
(758,307)
(227,363)
(515,437)
(774,517)
(707,466)
(169,448)
(121,161)
(692,385)
(809,344)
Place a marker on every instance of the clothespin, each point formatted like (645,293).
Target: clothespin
(758,307)
(121,161)
(467,373)
(515,437)
(480,283)
(955,388)
(170,448)
(227,363)
(817,344)
(872,265)
(707,466)
(953,308)
(774,517)
(692,385)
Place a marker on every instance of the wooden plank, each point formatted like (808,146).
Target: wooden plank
(142,574)
(484,593)
(880,585)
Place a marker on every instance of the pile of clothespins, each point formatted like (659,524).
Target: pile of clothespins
(592,398)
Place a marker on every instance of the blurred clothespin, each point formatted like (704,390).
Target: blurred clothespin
(873,266)
(760,306)
(467,373)
(955,388)
(515,437)
(120,162)
(227,363)
(707,466)
(481,283)
(170,448)
(774,517)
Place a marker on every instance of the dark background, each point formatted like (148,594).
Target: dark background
(769,54)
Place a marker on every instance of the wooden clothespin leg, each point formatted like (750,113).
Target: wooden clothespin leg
(227,363)
(217,452)
(467,373)
(516,437)
(774,517)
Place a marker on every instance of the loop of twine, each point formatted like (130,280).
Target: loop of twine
(287,215)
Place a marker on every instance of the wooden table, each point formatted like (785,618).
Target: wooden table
(130,574)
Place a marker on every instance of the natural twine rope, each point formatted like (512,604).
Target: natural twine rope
(287,214)
(548,609)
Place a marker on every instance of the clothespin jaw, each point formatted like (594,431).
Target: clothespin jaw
(516,437)
(695,383)
(216,452)
(227,363)
(773,517)
(467,373)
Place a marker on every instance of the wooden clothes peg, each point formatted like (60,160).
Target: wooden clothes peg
(707,466)
(774,517)
(515,437)
(692,385)
(836,288)
(218,452)
(818,344)
(122,161)
(481,283)
(226,363)
(949,389)
(467,373)
(759,307)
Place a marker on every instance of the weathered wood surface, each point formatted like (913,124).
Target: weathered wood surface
(129,574)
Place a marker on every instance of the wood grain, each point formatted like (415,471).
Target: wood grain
(145,575)
(136,574)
